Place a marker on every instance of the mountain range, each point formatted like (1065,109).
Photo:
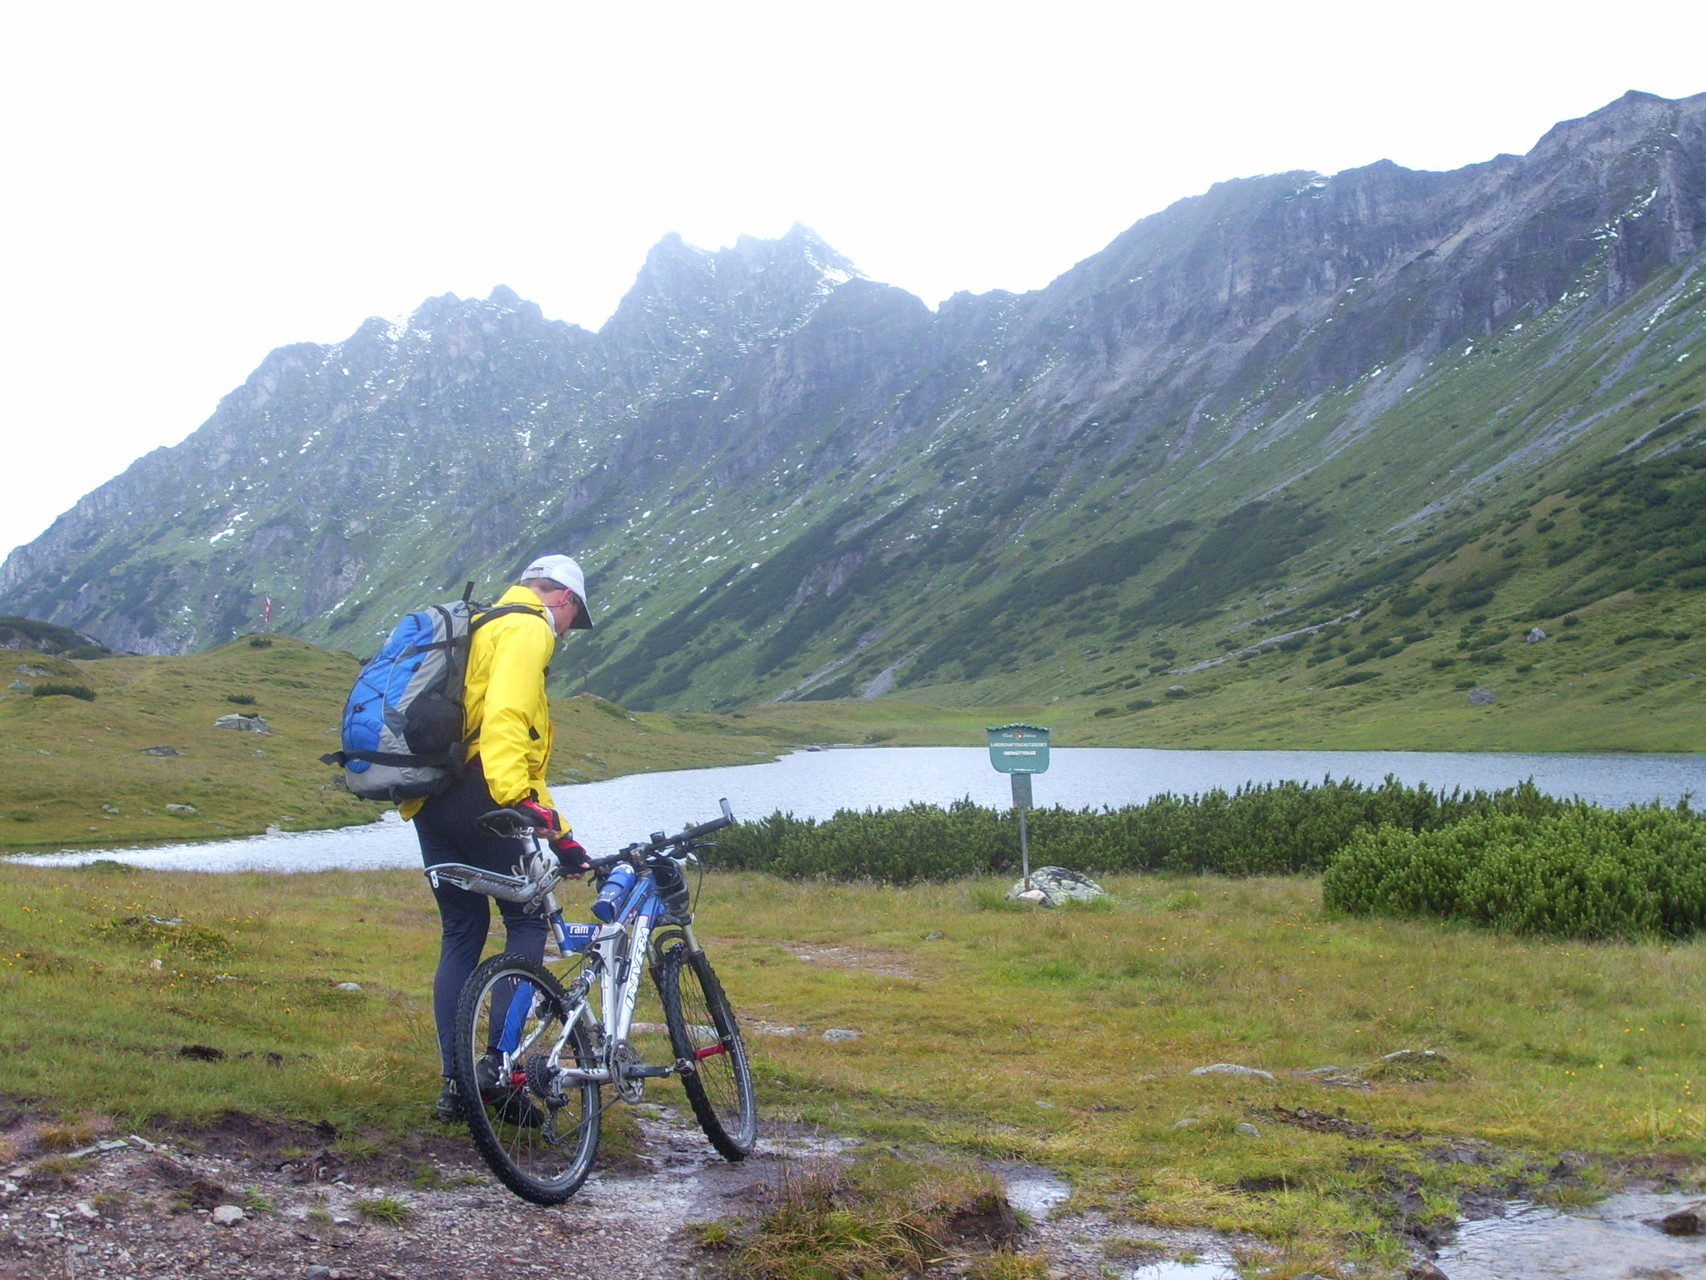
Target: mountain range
(1372,410)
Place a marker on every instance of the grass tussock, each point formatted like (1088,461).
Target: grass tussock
(389,1210)
(880,1217)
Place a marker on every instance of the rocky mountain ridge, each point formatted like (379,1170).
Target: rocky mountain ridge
(788,480)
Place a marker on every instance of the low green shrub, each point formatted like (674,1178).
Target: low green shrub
(1351,677)
(1276,828)
(241,699)
(1582,872)
(51,688)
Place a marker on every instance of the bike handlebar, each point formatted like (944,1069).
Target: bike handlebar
(513,824)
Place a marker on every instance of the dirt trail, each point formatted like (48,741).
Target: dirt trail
(129,1207)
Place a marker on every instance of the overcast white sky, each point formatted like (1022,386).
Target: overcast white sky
(189,185)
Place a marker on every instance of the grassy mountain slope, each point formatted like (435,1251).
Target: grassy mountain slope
(74,771)
(1469,490)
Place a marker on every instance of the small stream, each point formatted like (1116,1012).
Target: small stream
(1612,1240)
(1616,1239)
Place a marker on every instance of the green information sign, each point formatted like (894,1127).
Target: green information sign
(1019,748)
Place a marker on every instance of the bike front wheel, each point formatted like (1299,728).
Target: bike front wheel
(535,1126)
(704,1034)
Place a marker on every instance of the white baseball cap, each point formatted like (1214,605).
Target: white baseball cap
(564,570)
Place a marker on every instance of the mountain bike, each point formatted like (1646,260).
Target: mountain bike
(535,1053)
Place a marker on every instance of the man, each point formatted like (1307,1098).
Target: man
(506,724)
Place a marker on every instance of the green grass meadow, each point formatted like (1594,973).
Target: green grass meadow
(76,772)
(1067,1038)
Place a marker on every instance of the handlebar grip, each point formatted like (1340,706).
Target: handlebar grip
(715,824)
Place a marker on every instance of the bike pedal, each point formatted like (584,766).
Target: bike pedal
(639,1072)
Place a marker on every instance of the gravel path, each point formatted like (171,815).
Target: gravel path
(128,1207)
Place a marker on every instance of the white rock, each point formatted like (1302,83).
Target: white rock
(228,1215)
(1231,1069)
(1055,886)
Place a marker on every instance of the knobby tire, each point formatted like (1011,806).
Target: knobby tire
(538,1136)
(703,1031)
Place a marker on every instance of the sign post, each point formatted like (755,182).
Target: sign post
(1020,750)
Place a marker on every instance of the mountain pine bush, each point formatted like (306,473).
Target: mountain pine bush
(61,688)
(1260,829)
(1583,872)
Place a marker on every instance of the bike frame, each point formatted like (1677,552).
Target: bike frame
(615,953)
(533,1045)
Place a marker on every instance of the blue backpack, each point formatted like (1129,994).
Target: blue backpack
(402,728)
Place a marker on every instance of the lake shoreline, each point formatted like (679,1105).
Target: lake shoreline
(817,782)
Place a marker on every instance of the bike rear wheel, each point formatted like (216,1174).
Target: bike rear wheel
(537,1129)
(703,1031)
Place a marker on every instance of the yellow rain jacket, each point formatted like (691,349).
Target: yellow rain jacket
(504,709)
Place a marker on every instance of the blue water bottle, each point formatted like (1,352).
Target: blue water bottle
(616,886)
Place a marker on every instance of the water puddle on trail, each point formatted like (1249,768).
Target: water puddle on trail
(1207,1269)
(686,1181)
(1030,1188)
(1037,1192)
(1610,1241)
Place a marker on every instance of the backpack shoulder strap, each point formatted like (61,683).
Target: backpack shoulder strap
(482,614)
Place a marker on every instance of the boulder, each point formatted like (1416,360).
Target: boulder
(1689,1221)
(1231,1069)
(236,720)
(161,751)
(1536,636)
(1482,697)
(1055,886)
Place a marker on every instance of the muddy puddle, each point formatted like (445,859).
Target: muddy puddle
(1207,1269)
(686,1181)
(1031,1189)
(1089,1244)
(1612,1240)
